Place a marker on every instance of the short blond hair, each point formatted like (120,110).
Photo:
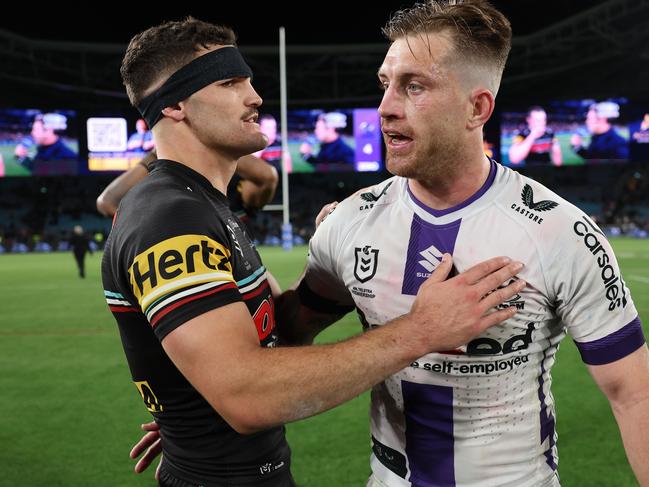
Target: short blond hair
(479,32)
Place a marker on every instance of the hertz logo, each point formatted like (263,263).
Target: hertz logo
(178,261)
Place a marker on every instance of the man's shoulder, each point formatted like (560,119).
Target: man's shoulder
(540,211)
(363,204)
(161,198)
(363,201)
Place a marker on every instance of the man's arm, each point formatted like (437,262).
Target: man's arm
(108,200)
(555,154)
(626,385)
(519,151)
(298,324)
(259,181)
(255,388)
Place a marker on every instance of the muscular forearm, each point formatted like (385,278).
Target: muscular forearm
(109,199)
(276,386)
(257,171)
(633,420)
(626,385)
(297,324)
(259,181)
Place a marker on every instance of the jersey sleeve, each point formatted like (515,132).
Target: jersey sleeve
(592,298)
(517,137)
(181,265)
(322,288)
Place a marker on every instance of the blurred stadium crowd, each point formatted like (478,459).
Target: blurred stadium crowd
(38,214)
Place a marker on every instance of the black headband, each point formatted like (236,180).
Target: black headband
(223,63)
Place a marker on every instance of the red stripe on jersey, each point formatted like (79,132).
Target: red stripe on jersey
(257,291)
(122,309)
(542,146)
(177,304)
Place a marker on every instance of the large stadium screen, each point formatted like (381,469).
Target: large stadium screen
(566,133)
(115,143)
(332,140)
(36,142)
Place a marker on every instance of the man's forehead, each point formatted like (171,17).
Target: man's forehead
(417,54)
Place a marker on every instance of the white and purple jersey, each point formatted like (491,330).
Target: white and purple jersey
(481,415)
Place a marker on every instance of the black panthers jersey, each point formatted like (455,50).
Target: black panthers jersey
(175,252)
(540,150)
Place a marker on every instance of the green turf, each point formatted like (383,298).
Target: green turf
(69,412)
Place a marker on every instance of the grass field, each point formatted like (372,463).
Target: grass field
(69,412)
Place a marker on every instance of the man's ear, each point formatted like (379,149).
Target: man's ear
(482,106)
(174,112)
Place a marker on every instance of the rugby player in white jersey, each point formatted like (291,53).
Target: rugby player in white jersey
(481,414)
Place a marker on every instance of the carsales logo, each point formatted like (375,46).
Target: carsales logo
(613,284)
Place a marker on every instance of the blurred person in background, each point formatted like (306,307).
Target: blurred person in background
(45,132)
(142,139)
(536,144)
(333,149)
(272,154)
(80,245)
(605,142)
(640,139)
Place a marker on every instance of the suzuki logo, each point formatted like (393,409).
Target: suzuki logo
(432,258)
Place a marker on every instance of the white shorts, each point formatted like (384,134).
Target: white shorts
(374,482)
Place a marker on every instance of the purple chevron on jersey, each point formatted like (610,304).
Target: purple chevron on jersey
(427,244)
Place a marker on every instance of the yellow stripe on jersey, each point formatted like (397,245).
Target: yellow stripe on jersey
(176,263)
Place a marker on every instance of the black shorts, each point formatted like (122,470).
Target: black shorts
(285,479)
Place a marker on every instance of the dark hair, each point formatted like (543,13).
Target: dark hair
(160,51)
(479,31)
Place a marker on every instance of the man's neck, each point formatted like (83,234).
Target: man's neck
(215,167)
(453,188)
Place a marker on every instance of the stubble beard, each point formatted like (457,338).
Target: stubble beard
(236,145)
(433,163)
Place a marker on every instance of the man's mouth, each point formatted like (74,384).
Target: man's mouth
(396,138)
(251,118)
